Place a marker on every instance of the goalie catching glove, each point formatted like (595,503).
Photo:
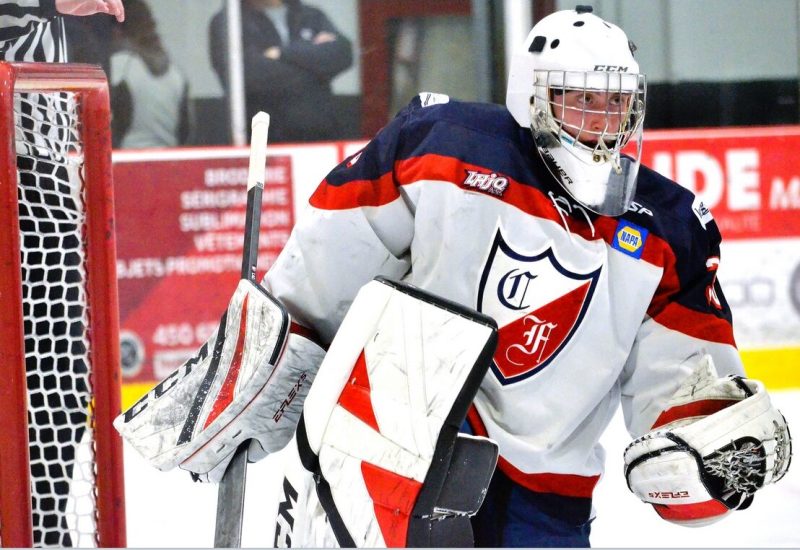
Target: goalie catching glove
(248,382)
(718,442)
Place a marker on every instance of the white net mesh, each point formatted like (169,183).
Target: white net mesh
(56,314)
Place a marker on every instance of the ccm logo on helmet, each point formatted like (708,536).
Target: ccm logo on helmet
(611,68)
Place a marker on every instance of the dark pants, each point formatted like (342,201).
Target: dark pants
(512,516)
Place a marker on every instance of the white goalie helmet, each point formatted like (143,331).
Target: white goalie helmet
(576,84)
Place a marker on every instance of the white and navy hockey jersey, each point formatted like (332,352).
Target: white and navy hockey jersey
(452,197)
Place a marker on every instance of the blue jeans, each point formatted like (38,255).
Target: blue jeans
(513,516)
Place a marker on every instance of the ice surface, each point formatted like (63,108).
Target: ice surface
(168,510)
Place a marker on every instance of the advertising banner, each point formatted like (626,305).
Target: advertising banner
(180,227)
(180,220)
(748,178)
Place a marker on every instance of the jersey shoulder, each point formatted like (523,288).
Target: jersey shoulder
(674,213)
(429,108)
(437,123)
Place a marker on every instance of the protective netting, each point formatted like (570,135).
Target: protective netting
(56,314)
(741,466)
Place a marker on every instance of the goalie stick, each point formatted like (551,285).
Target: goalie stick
(230,496)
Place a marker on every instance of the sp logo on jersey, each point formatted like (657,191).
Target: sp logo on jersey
(538,305)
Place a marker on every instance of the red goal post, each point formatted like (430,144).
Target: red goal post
(86,161)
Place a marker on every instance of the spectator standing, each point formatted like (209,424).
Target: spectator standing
(150,96)
(291,53)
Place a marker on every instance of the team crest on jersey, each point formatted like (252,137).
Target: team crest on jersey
(538,305)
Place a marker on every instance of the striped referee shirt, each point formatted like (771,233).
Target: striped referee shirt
(30,30)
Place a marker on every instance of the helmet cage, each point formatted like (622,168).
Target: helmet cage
(623,114)
(586,159)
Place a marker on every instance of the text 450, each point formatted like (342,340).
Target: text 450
(182,334)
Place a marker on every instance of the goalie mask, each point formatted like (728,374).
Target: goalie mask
(576,84)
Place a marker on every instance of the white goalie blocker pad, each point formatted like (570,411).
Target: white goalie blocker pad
(720,440)
(377,460)
(248,382)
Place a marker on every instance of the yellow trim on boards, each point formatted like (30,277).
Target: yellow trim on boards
(779,369)
(132,391)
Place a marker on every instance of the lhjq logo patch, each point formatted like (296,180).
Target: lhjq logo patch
(629,238)
(538,305)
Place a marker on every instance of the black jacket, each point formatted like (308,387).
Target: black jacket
(295,89)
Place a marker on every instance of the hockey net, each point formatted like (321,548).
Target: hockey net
(61,478)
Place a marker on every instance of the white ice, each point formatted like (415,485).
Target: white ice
(167,510)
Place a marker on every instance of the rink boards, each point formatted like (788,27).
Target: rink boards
(180,218)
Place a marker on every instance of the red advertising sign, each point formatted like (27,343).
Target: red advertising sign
(749,178)
(180,228)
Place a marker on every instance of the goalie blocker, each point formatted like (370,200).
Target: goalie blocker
(248,382)
(377,460)
(718,441)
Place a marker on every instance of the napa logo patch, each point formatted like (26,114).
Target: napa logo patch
(629,238)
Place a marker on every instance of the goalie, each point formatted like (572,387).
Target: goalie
(601,277)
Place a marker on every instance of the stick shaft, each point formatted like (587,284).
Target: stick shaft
(252,224)
(230,497)
(230,502)
(255,185)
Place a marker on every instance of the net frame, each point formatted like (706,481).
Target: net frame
(89,85)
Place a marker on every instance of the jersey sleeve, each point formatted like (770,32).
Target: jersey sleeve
(359,224)
(688,317)
(18,18)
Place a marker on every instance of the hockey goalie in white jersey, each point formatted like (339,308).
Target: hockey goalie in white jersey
(599,273)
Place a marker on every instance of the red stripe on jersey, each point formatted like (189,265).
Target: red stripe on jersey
(393,497)
(568,485)
(307,333)
(688,512)
(703,408)
(355,194)
(697,324)
(355,397)
(532,201)
(225,395)
(454,171)
(475,422)
(528,199)
(657,252)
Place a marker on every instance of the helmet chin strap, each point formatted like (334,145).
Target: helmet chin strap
(545,138)
(601,149)
(611,156)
